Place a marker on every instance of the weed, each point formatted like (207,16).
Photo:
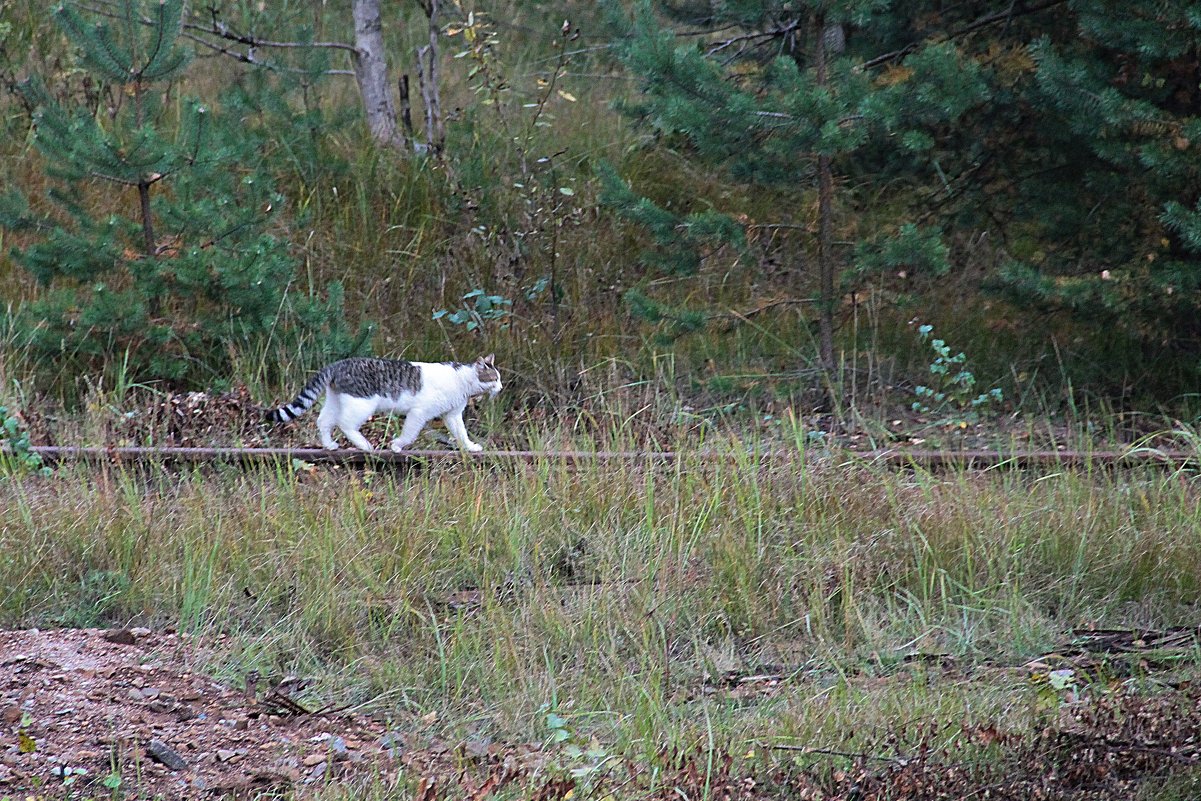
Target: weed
(951,394)
(15,453)
(479,310)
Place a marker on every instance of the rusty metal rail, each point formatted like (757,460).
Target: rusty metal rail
(975,459)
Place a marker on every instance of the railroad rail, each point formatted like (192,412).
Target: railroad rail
(892,457)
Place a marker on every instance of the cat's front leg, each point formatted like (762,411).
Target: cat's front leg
(414,422)
(454,424)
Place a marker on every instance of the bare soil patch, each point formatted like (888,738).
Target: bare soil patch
(82,707)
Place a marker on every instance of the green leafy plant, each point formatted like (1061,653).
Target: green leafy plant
(478,309)
(952,389)
(15,439)
(581,760)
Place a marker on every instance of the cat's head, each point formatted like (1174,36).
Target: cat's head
(487,374)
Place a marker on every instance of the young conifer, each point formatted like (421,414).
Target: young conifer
(156,244)
(772,95)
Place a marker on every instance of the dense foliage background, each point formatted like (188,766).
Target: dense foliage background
(751,202)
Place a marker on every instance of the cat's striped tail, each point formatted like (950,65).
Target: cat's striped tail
(305,400)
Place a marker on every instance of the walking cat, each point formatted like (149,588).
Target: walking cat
(355,389)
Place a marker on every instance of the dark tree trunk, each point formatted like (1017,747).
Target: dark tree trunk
(151,247)
(825,224)
(428,78)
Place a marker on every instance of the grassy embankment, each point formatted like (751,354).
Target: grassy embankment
(621,598)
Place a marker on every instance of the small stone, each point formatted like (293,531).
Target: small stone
(140,631)
(224,755)
(119,636)
(11,714)
(338,747)
(136,695)
(161,752)
(316,774)
(313,759)
(477,748)
(241,724)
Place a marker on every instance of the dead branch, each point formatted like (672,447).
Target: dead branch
(983,22)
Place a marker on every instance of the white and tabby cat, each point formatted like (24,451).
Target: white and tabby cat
(355,389)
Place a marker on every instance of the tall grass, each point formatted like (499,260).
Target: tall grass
(616,595)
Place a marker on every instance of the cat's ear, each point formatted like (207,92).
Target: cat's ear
(488,359)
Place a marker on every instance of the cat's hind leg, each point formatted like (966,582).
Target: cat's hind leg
(330,412)
(414,422)
(353,413)
(454,423)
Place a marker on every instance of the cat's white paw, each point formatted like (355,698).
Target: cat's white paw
(330,446)
(474,447)
(396,446)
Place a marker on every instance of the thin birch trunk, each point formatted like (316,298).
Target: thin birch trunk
(371,72)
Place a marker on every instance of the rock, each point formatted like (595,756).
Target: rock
(140,631)
(161,752)
(477,748)
(337,746)
(119,636)
(316,774)
(313,759)
(11,714)
(136,695)
(224,754)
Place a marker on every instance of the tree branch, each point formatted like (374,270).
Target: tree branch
(217,28)
(220,29)
(982,22)
(791,27)
(248,58)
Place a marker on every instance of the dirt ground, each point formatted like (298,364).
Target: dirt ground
(82,709)
(119,714)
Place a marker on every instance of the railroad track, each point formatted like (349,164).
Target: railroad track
(898,457)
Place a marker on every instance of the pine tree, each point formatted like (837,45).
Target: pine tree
(1104,176)
(776,96)
(154,244)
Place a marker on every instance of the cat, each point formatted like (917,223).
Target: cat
(357,388)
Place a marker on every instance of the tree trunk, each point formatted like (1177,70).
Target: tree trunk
(435,135)
(825,225)
(371,72)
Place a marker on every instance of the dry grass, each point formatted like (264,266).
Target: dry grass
(629,601)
